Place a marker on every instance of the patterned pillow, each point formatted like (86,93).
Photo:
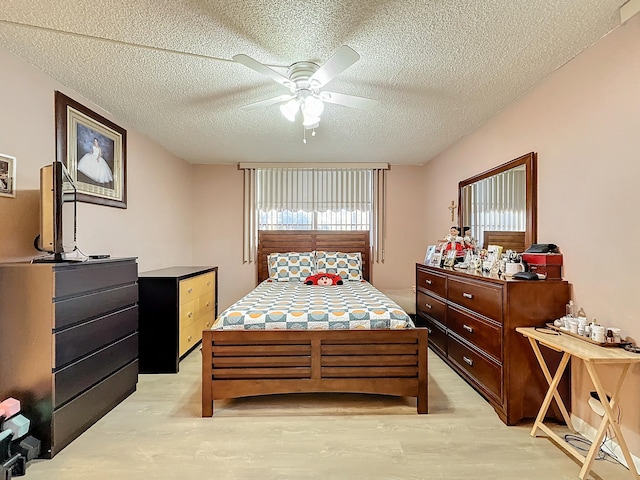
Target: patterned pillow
(291,266)
(347,265)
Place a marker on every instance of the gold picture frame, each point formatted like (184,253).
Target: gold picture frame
(94,150)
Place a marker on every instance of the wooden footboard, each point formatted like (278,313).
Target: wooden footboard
(246,363)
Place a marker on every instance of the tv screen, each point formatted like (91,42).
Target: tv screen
(57,213)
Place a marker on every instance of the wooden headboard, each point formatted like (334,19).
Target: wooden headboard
(282,241)
(508,240)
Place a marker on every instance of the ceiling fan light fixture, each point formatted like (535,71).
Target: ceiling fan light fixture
(290,109)
(313,107)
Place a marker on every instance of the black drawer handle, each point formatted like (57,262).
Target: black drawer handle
(428,306)
(467,295)
(468,328)
(427,281)
(468,360)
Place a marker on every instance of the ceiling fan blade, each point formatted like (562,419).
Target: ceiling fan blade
(341,60)
(263,69)
(267,102)
(348,100)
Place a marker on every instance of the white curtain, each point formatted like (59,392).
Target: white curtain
(328,197)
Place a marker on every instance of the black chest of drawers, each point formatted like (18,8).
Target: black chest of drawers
(68,343)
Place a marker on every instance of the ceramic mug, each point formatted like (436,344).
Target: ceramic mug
(511,268)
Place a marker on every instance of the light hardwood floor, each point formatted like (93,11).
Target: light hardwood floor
(157,433)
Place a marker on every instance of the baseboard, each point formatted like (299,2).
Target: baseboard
(610,446)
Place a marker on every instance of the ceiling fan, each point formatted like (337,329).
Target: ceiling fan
(305,81)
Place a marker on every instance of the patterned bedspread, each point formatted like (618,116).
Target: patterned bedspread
(294,305)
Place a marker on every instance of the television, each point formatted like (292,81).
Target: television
(57,214)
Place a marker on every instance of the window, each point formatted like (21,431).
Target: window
(318,199)
(330,197)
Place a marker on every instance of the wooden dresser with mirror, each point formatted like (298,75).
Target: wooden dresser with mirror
(472,316)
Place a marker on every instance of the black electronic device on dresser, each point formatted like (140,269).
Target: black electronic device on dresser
(176,305)
(68,343)
(472,319)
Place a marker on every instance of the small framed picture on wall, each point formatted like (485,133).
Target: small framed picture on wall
(7,176)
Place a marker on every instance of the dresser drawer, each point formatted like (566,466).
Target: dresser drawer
(484,299)
(431,281)
(437,335)
(75,342)
(482,334)
(189,336)
(188,313)
(428,305)
(486,374)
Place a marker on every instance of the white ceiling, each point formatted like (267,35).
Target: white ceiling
(438,69)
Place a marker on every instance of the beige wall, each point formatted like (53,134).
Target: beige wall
(217,236)
(584,123)
(156,226)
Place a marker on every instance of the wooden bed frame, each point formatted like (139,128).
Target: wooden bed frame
(240,363)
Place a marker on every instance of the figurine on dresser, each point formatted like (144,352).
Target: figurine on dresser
(453,241)
(469,243)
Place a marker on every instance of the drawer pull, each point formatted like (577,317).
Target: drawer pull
(190,290)
(428,306)
(467,295)
(190,314)
(468,360)
(208,324)
(208,303)
(468,328)
(427,281)
(209,283)
(189,338)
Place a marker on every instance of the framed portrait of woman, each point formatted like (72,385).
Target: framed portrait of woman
(436,259)
(94,150)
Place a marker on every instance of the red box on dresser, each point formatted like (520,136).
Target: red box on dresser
(549,264)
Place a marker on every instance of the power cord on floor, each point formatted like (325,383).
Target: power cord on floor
(583,445)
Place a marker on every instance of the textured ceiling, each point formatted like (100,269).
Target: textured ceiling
(438,69)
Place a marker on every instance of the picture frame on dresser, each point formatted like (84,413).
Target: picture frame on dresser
(431,249)
(450,258)
(436,259)
(94,150)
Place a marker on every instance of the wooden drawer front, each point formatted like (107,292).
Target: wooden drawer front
(188,313)
(206,320)
(480,333)
(75,417)
(428,305)
(193,287)
(75,342)
(78,309)
(79,376)
(206,302)
(189,336)
(437,336)
(486,374)
(208,283)
(78,279)
(433,282)
(484,299)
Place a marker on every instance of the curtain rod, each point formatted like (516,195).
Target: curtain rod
(367,166)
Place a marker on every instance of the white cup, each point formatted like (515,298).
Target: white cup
(598,333)
(511,268)
(573,326)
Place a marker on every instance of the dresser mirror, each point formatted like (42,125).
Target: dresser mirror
(500,205)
